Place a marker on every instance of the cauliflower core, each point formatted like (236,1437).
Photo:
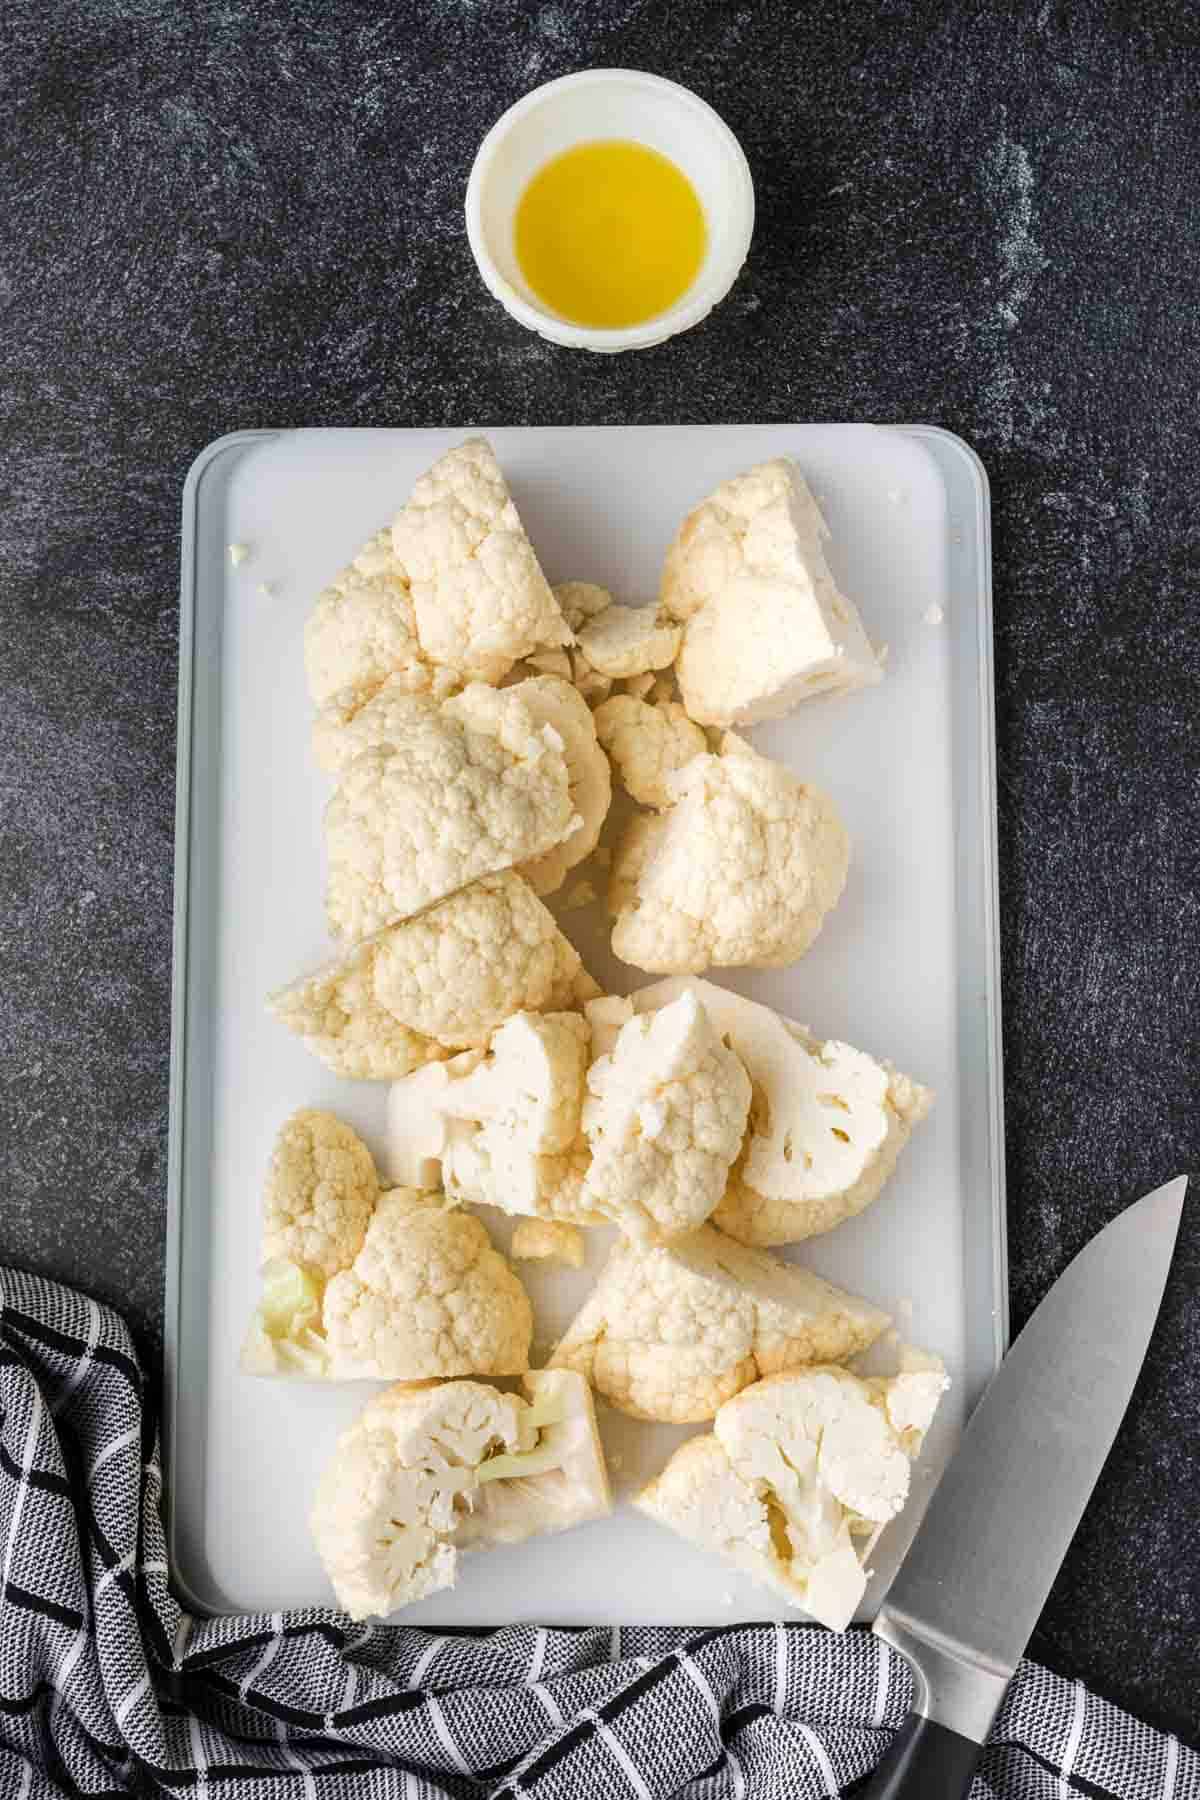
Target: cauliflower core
(628,640)
(672,1333)
(664,1118)
(557,704)
(798,1477)
(648,745)
(764,623)
(422,1474)
(456,792)
(827,1122)
(479,597)
(440,982)
(741,871)
(507,1131)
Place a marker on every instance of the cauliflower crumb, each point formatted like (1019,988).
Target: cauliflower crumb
(460,790)
(648,745)
(238,553)
(582,894)
(267,589)
(741,870)
(628,640)
(479,596)
(665,1117)
(548,1240)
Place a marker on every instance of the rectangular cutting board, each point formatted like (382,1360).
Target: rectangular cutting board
(905,967)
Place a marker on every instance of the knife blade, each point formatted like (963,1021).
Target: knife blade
(969,1592)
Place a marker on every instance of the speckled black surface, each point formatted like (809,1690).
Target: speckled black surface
(230,214)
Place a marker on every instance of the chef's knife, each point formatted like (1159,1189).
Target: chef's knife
(969,1592)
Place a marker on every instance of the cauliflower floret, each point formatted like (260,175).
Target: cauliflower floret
(640,686)
(671,1333)
(425,1472)
(320,1193)
(548,1240)
(509,1135)
(591,684)
(362,632)
(581,601)
(797,1468)
(557,704)
(434,984)
(460,790)
(665,1118)
(459,970)
(427,1297)
(479,596)
(827,1122)
(765,624)
(341,731)
(628,640)
(741,870)
(648,745)
(337,1014)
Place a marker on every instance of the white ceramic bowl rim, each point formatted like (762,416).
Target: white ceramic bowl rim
(700,297)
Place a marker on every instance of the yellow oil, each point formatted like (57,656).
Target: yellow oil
(610,234)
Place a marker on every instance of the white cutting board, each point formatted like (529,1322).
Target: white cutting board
(885,973)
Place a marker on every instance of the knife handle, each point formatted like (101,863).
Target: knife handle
(925,1761)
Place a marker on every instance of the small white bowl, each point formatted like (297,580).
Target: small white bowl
(610,103)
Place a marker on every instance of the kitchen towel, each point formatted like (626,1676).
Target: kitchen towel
(108,1687)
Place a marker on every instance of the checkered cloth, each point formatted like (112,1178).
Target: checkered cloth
(107,1687)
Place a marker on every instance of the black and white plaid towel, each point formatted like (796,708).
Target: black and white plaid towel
(107,1687)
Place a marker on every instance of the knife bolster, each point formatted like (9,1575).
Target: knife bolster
(954,1686)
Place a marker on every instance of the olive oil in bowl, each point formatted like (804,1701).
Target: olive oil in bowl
(610,234)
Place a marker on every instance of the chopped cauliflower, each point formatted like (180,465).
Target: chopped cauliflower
(672,1333)
(440,982)
(342,729)
(419,1127)
(548,1240)
(581,601)
(558,705)
(462,968)
(796,1480)
(427,1297)
(424,1473)
(479,597)
(321,1191)
(362,632)
(741,870)
(336,1013)
(764,623)
(549,662)
(648,745)
(591,684)
(628,640)
(510,1132)
(459,791)
(827,1122)
(665,1117)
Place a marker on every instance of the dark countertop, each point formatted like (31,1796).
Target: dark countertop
(983,216)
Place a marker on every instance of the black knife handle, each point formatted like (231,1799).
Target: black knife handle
(925,1761)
